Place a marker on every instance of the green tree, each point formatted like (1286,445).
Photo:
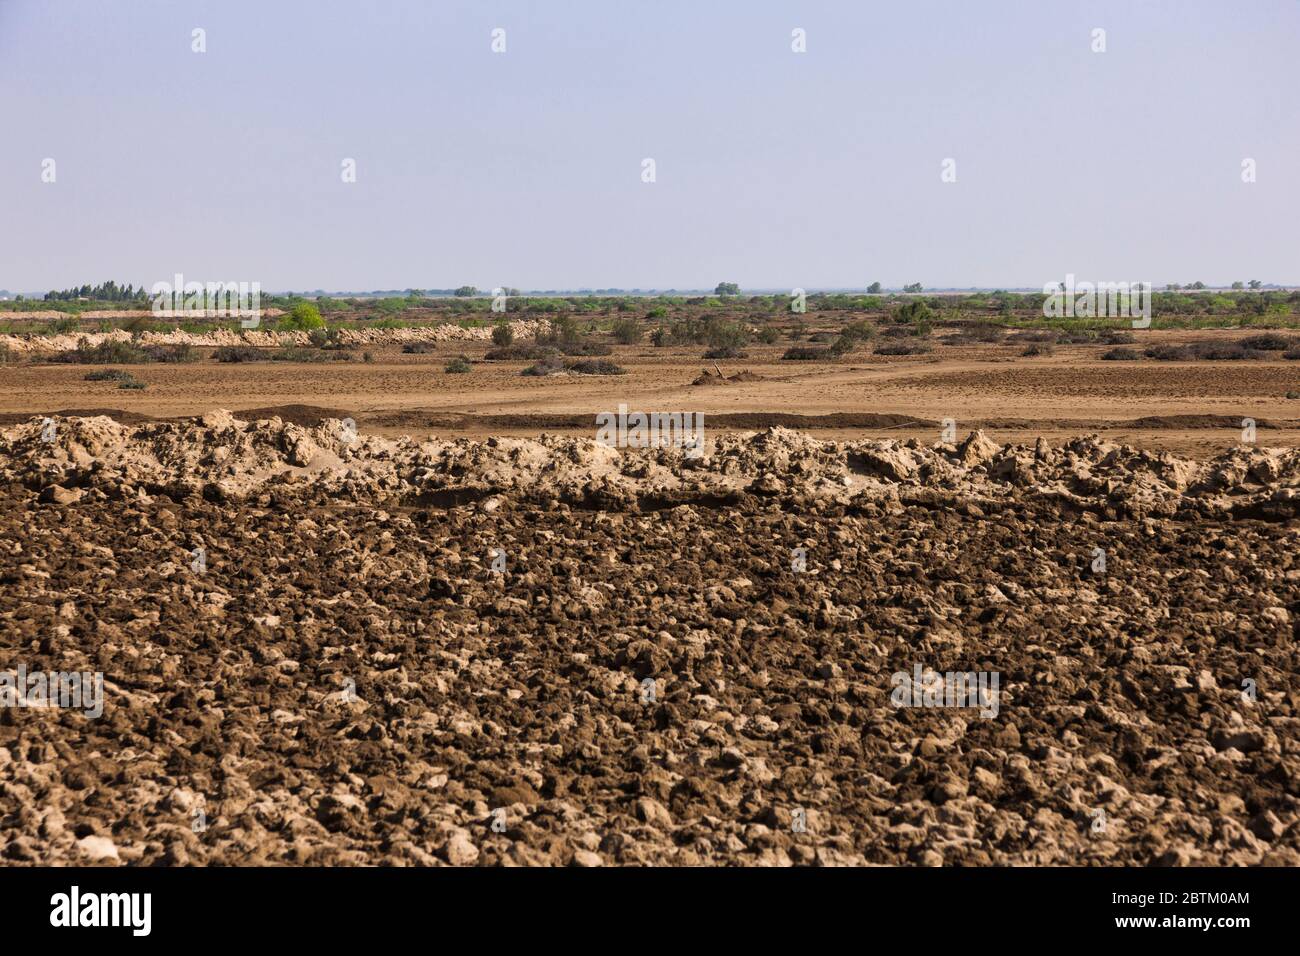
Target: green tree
(914,287)
(466,291)
(727,288)
(303,317)
(875,288)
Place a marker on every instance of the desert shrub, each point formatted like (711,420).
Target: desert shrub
(1292,354)
(769,335)
(986,332)
(1168,353)
(1266,342)
(502,334)
(292,354)
(821,338)
(626,332)
(171,353)
(367,357)
(806,353)
(553,364)
(899,332)
(687,332)
(1205,351)
(595,367)
(861,331)
(659,337)
(108,375)
(1077,337)
(1221,351)
(843,345)
(303,317)
(548,365)
(564,330)
(796,330)
(7,354)
(912,312)
(902,348)
(419,348)
(983,332)
(726,352)
(520,352)
(1034,335)
(239,353)
(1117,338)
(108,352)
(1039,348)
(458,366)
(1121,355)
(132,383)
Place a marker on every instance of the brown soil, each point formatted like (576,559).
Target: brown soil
(1189,408)
(654,676)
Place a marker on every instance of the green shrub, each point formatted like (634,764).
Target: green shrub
(458,366)
(726,336)
(912,312)
(108,352)
(108,375)
(502,334)
(303,317)
(626,332)
(859,331)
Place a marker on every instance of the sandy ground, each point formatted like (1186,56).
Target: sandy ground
(1192,408)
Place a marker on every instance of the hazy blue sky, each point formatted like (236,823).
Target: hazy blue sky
(774,169)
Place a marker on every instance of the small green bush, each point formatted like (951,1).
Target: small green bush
(303,317)
(108,352)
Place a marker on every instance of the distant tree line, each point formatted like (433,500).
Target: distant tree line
(104,292)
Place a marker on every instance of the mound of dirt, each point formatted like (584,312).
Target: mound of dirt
(223,456)
(265,338)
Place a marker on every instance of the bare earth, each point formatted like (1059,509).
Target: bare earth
(484,649)
(1192,408)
